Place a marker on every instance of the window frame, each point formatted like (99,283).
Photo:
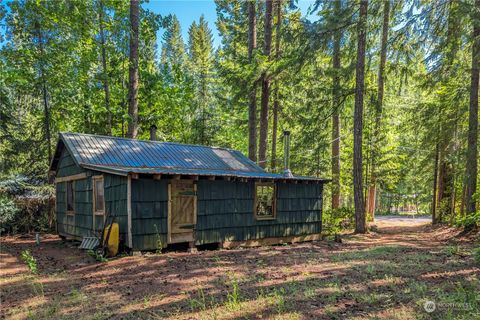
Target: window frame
(94,195)
(70,212)
(274,201)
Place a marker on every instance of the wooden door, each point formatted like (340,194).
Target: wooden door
(182,213)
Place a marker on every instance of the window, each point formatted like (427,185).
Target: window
(98,195)
(70,197)
(265,201)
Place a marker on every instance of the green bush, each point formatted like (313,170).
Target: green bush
(26,204)
(30,261)
(336,220)
(468,220)
(8,210)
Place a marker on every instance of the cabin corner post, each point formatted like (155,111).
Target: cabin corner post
(129,211)
(169,213)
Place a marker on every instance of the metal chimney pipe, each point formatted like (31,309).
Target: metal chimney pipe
(286,154)
(153,132)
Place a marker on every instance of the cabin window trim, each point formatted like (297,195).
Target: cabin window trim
(94,195)
(67,211)
(273,216)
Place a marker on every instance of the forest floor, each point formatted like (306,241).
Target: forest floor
(389,273)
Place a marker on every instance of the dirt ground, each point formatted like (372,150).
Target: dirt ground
(389,273)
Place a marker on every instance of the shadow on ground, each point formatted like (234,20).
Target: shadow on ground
(386,274)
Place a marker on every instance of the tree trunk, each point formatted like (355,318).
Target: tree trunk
(336,100)
(133,71)
(435,183)
(262,152)
(372,192)
(276,101)
(462,201)
(471,171)
(106,87)
(440,186)
(445,183)
(360,221)
(252,107)
(276,106)
(46,106)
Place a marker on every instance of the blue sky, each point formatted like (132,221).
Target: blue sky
(188,11)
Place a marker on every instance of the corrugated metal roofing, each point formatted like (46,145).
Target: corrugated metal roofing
(122,156)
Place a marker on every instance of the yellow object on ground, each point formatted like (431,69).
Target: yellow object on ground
(113,239)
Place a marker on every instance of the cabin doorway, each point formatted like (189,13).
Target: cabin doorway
(182,211)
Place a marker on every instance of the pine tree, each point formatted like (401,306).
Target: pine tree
(372,188)
(133,70)
(201,67)
(262,146)
(252,105)
(276,97)
(336,98)
(105,80)
(360,221)
(471,174)
(173,45)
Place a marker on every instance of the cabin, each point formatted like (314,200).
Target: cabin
(162,193)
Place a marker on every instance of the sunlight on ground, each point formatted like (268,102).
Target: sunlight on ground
(385,276)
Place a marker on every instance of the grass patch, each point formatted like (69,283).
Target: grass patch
(233,297)
(30,261)
(368,254)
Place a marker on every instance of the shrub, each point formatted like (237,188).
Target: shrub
(97,256)
(8,210)
(26,204)
(233,298)
(469,220)
(336,220)
(30,261)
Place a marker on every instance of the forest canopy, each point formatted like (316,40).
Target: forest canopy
(386,90)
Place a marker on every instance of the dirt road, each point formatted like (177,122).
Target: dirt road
(389,273)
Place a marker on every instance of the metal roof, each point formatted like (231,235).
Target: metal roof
(123,156)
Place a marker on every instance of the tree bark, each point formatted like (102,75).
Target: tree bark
(133,70)
(276,106)
(106,87)
(471,171)
(262,151)
(435,183)
(372,192)
(276,101)
(336,100)
(46,106)
(252,106)
(445,183)
(360,221)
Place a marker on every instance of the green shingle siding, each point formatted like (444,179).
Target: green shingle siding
(81,224)
(116,201)
(224,209)
(66,165)
(149,213)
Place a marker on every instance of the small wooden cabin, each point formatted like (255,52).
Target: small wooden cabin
(163,193)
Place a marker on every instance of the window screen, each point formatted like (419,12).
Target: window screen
(265,201)
(99,196)
(70,196)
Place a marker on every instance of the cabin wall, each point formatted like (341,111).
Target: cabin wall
(116,201)
(80,224)
(149,213)
(225,211)
(67,166)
